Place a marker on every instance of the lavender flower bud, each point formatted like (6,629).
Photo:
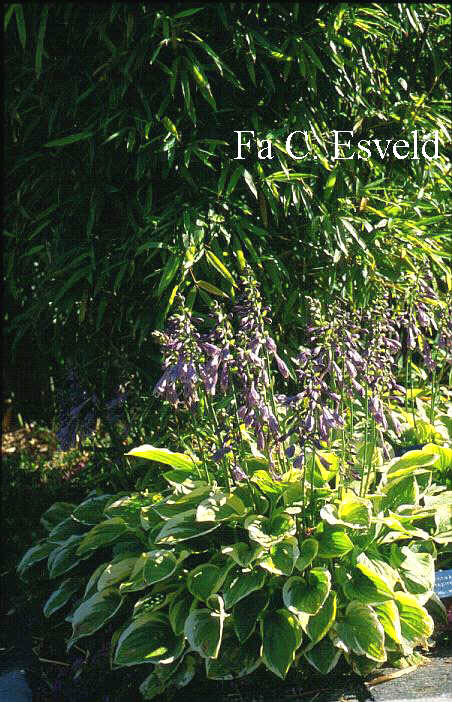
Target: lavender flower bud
(270,344)
(290,451)
(237,473)
(309,423)
(281,366)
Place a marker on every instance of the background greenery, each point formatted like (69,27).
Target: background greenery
(122,185)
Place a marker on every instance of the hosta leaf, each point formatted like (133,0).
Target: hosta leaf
(91,511)
(204,580)
(148,639)
(182,527)
(92,614)
(282,557)
(401,491)
(55,514)
(361,632)
(68,527)
(319,624)
(307,595)
(115,573)
(334,543)
(281,637)
(162,455)
(102,534)
(245,614)
(324,656)
(416,569)
(413,459)
(179,610)
(219,507)
(268,531)
(240,585)
(64,557)
(242,553)
(235,661)
(159,565)
(416,624)
(204,630)
(62,595)
(366,586)
(355,511)
(35,554)
(388,615)
(308,551)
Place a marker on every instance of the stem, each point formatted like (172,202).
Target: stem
(312,489)
(303,487)
(217,429)
(363,463)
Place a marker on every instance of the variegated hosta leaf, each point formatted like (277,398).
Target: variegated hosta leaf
(234,661)
(334,542)
(415,622)
(240,583)
(269,531)
(35,554)
(148,639)
(204,630)
(55,514)
(62,595)
(205,580)
(163,455)
(242,553)
(319,624)
(282,557)
(360,632)
(281,637)
(246,612)
(417,569)
(306,596)
(91,511)
(182,527)
(115,572)
(366,586)
(324,656)
(64,558)
(92,614)
(308,551)
(388,614)
(102,534)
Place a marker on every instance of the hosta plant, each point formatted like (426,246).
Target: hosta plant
(285,532)
(196,575)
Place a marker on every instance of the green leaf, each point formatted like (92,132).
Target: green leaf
(55,514)
(168,273)
(308,551)
(246,612)
(220,267)
(235,661)
(417,569)
(334,543)
(282,557)
(212,289)
(320,623)
(159,565)
(268,531)
(62,595)
(367,587)
(40,41)
(307,595)
(413,459)
(102,534)
(20,21)
(64,557)
(281,637)
(179,610)
(163,455)
(205,580)
(115,573)
(184,527)
(415,622)
(324,656)
(388,615)
(71,139)
(187,13)
(240,585)
(360,632)
(204,630)
(148,639)
(242,553)
(91,511)
(35,554)
(92,614)
(355,511)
